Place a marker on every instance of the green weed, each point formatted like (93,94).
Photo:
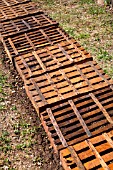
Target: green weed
(5,142)
(94,10)
(1,99)
(83,36)
(70,31)
(86,2)
(49,2)
(2,107)
(24,145)
(14,108)
(2,84)
(21,146)
(104,55)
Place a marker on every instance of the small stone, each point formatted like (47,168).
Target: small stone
(100,2)
(5,167)
(39,163)
(13,91)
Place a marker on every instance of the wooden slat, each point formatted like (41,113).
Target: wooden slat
(104,165)
(101,108)
(109,140)
(76,158)
(58,131)
(80,118)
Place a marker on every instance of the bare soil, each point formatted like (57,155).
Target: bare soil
(23,142)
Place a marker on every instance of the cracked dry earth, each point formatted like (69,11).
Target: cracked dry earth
(23,142)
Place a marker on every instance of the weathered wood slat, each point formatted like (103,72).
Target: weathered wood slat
(82,122)
(39,39)
(101,108)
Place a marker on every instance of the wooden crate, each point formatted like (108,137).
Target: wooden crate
(94,154)
(33,40)
(14,27)
(5,3)
(8,13)
(58,78)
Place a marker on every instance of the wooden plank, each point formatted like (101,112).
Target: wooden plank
(104,165)
(30,42)
(108,139)
(6,2)
(58,131)
(13,46)
(39,61)
(101,108)
(76,158)
(80,118)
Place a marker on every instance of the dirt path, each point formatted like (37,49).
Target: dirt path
(23,142)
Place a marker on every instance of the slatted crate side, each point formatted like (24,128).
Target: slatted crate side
(47,38)
(75,43)
(52,86)
(5,3)
(58,56)
(24,24)
(82,78)
(18,11)
(80,118)
(46,87)
(38,39)
(55,60)
(63,54)
(94,75)
(57,83)
(94,153)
